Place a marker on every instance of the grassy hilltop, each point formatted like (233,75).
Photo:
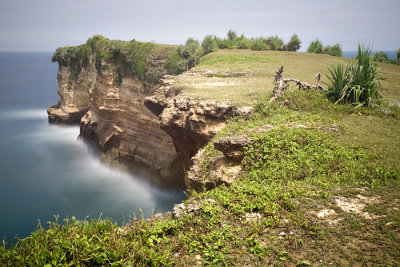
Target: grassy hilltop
(246,76)
(321,187)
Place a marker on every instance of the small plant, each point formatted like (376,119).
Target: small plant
(357,83)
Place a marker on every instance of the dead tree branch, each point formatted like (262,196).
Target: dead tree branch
(281,84)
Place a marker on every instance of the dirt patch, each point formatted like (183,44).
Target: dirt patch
(357,205)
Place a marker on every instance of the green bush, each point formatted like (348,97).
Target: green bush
(380,57)
(209,44)
(393,61)
(398,53)
(335,50)
(293,44)
(275,43)
(357,83)
(259,44)
(243,42)
(315,47)
(190,54)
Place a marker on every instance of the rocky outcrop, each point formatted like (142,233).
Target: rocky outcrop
(113,89)
(74,95)
(108,103)
(218,171)
(191,123)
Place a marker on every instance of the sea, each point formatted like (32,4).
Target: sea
(353,54)
(46,171)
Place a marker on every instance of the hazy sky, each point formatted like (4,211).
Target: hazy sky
(44,25)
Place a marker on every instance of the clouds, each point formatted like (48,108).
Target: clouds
(43,25)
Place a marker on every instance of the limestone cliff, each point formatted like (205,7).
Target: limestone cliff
(191,123)
(122,95)
(104,90)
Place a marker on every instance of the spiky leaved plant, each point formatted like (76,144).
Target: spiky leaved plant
(358,83)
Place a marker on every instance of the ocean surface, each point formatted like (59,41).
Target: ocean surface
(353,54)
(45,170)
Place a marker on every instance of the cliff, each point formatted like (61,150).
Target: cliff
(130,110)
(102,85)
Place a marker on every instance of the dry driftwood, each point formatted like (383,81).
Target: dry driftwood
(282,84)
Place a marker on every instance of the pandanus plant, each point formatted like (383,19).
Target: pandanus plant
(357,83)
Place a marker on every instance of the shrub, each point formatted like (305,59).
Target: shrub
(209,44)
(222,43)
(294,43)
(315,47)
(259,44)
(358,83)
(380,57)
(393,61)
(243,42)
(398,53)
(335,50)
(275,43)
(190,54)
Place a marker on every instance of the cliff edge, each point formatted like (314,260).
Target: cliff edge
(102,85)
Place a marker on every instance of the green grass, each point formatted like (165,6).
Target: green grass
(259,68)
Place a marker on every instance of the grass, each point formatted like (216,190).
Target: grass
(269,215)
(258,68)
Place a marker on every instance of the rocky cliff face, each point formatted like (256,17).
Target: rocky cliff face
(74,95)
(108,103)
(129,113)
(191,123)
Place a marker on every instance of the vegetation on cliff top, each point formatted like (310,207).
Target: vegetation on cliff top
(243,77)
(131,56)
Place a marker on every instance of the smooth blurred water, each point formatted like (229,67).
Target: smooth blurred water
(353,54)
(46,170)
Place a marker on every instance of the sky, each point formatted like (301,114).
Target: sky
(44,25)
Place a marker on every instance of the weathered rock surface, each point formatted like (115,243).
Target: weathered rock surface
(113,118)
(74,96)
(191,123)
(220,170)
(233,146)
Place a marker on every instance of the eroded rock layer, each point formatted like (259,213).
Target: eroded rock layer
(108,103)
(191,123)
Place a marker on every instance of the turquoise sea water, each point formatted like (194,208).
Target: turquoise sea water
(45,170)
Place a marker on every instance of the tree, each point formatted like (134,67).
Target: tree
(190,54)
(315,47)
(398,53)
(335,50)
(232,36)
(294,43)
(209,44)
(275,43)
(259,44)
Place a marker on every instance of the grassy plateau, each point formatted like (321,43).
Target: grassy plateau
(321,188)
